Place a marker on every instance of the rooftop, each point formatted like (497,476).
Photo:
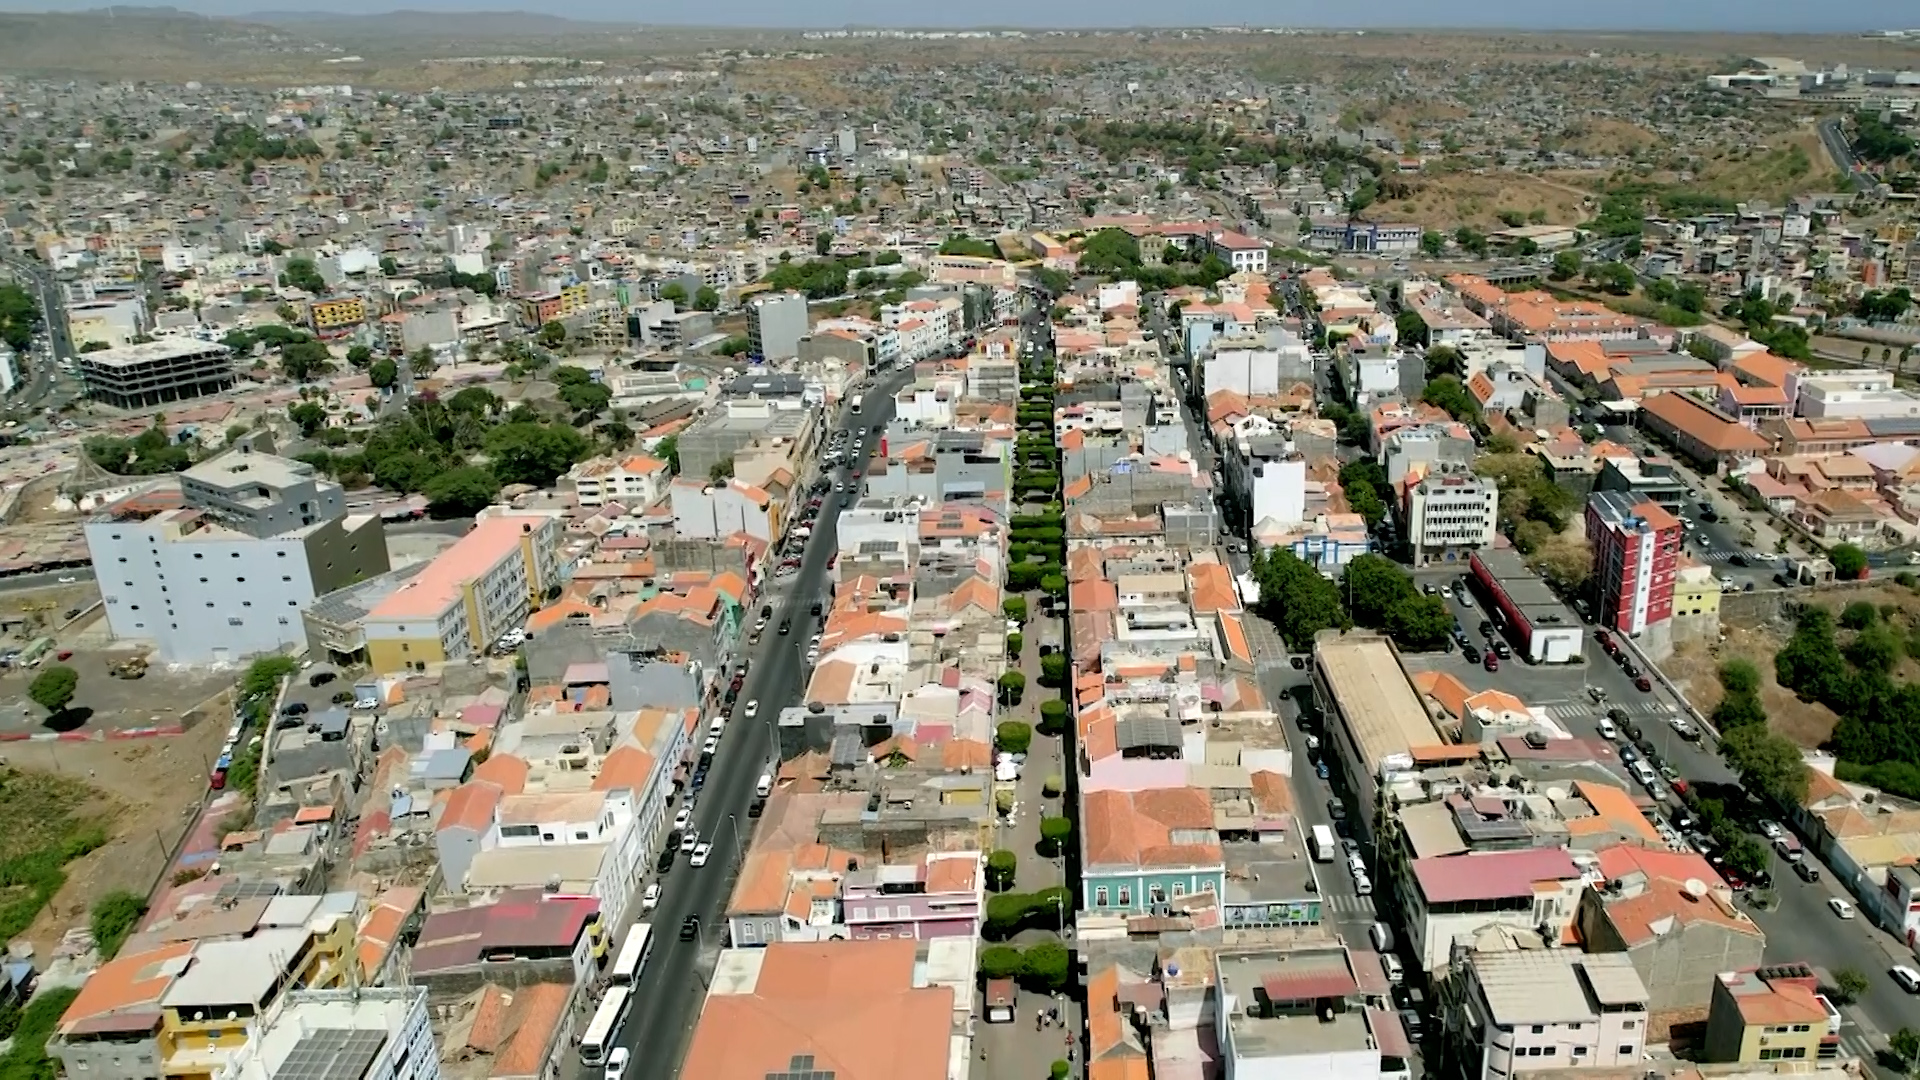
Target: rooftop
(443,582)
(147,352)
(1554,986)
(1374,697)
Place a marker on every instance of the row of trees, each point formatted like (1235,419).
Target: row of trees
(19,316)
(1878,735)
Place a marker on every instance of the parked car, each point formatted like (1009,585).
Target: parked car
(651,898)
(700,855)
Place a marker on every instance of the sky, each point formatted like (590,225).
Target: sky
(1737,16)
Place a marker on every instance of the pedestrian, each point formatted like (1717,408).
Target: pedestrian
(1039,1021)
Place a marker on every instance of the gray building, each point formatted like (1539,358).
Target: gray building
(850,349)
(226,566)
(775,324)
(735,423)
(155,372)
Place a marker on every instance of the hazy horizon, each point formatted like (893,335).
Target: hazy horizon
(1721,16)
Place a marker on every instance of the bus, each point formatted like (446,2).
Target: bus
(1323,845)
(604,1029)
(856,402)
(633,955)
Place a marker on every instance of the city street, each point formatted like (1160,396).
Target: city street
(673,984)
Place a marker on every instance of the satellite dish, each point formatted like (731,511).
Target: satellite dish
(1695,888)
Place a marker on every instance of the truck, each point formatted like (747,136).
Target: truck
(1324,845)
(857,398)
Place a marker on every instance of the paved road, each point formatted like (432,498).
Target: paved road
(674,984)
(1801,928)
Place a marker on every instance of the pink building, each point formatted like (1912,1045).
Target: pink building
(942,897)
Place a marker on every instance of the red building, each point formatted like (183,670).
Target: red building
(1636,552)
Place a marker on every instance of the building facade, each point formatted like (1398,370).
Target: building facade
(775,324)
(1636,550)
(156,372)
(1450,514)
(469,596)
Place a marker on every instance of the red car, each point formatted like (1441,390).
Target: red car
(1644,684)
(1490,662)
(63,654)
(1605,639)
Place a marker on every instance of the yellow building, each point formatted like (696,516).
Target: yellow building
(182,1009)
(1771,1014)
(338,313)
(475,591)
(1696,594)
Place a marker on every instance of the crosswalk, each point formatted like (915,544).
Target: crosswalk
(1576,710)
(1714,556)
(1854,1043)
(1347,904)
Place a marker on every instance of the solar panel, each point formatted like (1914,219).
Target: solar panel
(332,1054)
(800,1067)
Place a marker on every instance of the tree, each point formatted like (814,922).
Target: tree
(1433,243)
(1000,961)
(1905,1046)
(302,360)
(1614,277)
(1053,670)
(383,373)
(1045,966)
(1420,623)
(1015,643)
(388,267)
(1851,985)
(1054,585)
(1747,856)
(309,415)
(300,273)
(1023,577)
(358,357)
(1566,266)
(1296,597)
(668,450)
(673,291)
(461,492)
(421,364)
(475,400)
(1013,737)
(1767,763)
(616,432)
(113,917)
(706,299)
(536,454)
(1053,717)
(1372,585)
(1001,867)
(1740,676)
(1849,562)
(822,243)
(1012,686)
(721,472)
(1449,393)
(1015,608)
(589,398)
(54,687)
(1445,360)
(553,334)
(1054,832)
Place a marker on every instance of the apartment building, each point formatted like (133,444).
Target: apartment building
(1774,1013)
(157,372)
(366,1033)
(539,309)
(1309,1010)
(1534,890)
(1450,514)
(336,315)
(1537,1009)
(1244,253)
(492,844)
(475,591)
(1636,550)
(634,482)
(775,324)
(224,567)
(1865,394)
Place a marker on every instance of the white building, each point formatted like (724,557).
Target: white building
(366,1033)
(1371,378)
(716,511)
(1862,394)
(222,569)
(1537,1009)
(1299,1012)
(1242,252)
(588,841)
(1450,514)
(1277,490)
(775,324)
(635,482)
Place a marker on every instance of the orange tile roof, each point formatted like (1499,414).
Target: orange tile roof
(540,1007)
(505,771)
(440,585)
(471,806)
(126,984)
(628,766)
(1703,424)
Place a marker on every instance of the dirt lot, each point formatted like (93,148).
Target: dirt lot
(144,792)
(1695,666)
(104,703)
(1446,202)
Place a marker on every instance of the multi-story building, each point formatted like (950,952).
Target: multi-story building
(1537,1009)
(366,1033)
(635,482)
(1772,1013)
(588,841)
(775,324)
(738,422)
(941,897)
(156,372)
(541,308)
(469,596)
(1448,514)
(1866,394)
(1308,1010)
(114,323)
(1531,890)
(224,567)
(1636,548)
(336,314)
(1240,251)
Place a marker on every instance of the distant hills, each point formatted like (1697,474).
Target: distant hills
(443,24)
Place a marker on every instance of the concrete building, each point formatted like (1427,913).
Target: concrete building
(367,1033)
(1375,718)
(1552,1009)
(1311,1010)
(225,568)
(775,324)
(1547,630)
(1671,915)
(114,323)
(156,372)
(736,423)
(1774,1013)
(1451,898)
(472,593)
(1449,515)
(1865,394)
(1636,551)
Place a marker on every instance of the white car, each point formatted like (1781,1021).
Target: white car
(1908,978)
(753,709)
(68,580)
(1840,907)
(651,898)
(700,855)
(683,817)
(1772,830)
(711,746)
(690,841)
(617,1063)
(367,703)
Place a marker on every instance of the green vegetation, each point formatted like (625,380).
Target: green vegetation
(1877,141)
(54,687)
(45,831)
(241,145)
(819,279)
(1055,832)
(1010,913)
(1381,596)
(146,454)
(19,316)
(1296,598)
(301,273)
(1883,306)
(114,916)
(409,452)
(28,1059)
(1001,867)
(1449,393)
(1013,737)
(1042,968)
(962,244)
(1115,253)
(1364,480)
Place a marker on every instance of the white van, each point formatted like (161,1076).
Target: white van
(764,786)
(1643,772)
(1607,730)
(1396,971)
(1382,937)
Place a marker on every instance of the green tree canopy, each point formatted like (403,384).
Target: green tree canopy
(461,492)
(528,453)
(54,687)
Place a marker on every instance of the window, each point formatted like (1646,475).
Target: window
(579,834)
(199,555)
(1126,896)
(1626,1049)
(1157,894)
(1179,889)
(546,836)
(286,577)
(747,930)
(1627,1025)
(1206,886)
(1539,1029)
(1100,896)
(1579,1051)
(514,831)
(135,607)
(861,913)
(282,554)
